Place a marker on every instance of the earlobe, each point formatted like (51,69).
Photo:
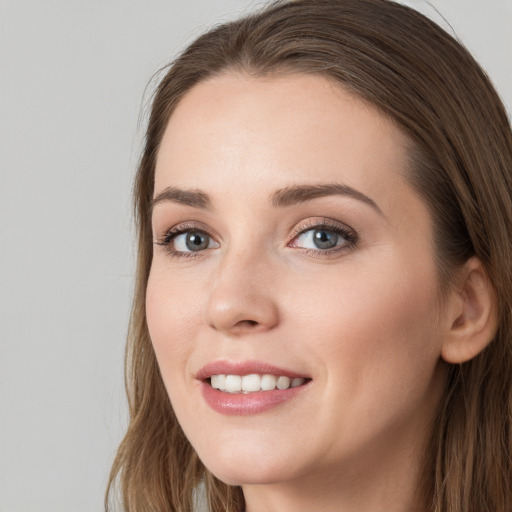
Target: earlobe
(474,321)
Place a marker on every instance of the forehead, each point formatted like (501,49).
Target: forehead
(234,130)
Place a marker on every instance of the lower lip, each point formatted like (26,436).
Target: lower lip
(244,404)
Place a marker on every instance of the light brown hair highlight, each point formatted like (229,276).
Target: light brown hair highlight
(461,164)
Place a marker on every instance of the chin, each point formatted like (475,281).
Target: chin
(238,477)
(237,469)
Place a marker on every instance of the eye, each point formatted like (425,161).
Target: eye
(183,240)
(318,238)
(192,241)
(326,237)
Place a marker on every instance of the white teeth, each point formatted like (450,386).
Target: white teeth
(283,382)
(268,382)
(253,383)
(219,382)
(297,382)
(233,383)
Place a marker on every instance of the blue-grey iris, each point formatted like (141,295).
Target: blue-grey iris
(325,239)
(197,241)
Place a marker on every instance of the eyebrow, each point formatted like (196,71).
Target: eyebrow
(300,193)
(194,198)
(281,198)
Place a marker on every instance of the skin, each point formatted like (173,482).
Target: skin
(363,320)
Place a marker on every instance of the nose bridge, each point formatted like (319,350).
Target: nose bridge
(241,296)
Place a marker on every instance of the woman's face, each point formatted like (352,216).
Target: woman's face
(289,244)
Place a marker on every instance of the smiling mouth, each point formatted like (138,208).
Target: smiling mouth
(254,383)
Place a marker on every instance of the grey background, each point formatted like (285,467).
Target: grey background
(72,78)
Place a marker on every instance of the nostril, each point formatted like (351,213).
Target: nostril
(249,323)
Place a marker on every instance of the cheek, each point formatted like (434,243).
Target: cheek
(374,327)
(375,337)
(173,316)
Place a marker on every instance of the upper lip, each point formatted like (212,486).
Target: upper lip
(225,367)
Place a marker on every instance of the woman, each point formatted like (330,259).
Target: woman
(322,316)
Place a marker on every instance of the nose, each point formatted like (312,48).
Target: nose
(242,298)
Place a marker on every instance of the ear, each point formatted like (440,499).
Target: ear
(473,310)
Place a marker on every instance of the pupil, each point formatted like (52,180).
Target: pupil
(197,241)
(325,239)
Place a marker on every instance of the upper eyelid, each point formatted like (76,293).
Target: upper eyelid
(322,222)
(350,236)
(184,227)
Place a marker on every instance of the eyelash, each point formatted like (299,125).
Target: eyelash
(346,233)
(174,232)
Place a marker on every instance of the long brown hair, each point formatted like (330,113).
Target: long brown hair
(461,164)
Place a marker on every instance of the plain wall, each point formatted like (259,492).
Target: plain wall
(72,78)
